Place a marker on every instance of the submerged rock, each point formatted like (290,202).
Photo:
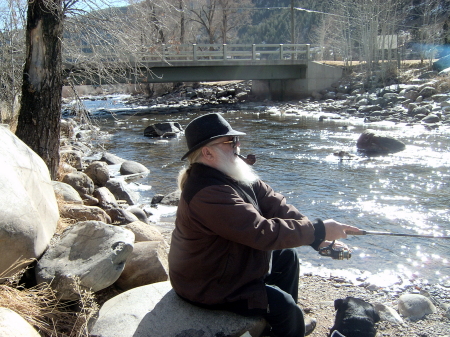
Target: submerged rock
(371,143)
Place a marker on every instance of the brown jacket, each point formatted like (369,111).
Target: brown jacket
(223,238)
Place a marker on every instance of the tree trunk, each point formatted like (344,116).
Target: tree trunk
(40,111)
(182,21)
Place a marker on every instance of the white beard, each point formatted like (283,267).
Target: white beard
(236,168)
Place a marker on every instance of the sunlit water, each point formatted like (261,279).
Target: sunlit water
(406,192)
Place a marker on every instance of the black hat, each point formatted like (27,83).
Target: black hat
(203,129)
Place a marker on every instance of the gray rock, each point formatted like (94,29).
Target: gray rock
(387,313)
(14,325)
(91,251)
(144,232)
(440,97)
(147,264)
(372,143)
(420,110)
(427,92)
(83,213)
(431,118)
(98,171)
(171,199)
(121,191)
(121,216)
(106,199)
(66,192)
(415,307)
(132,167)
(72,157)
(111,159)
(369,108)
(163,129)
(28,206)
(80,182)
(139,212)
(149,311)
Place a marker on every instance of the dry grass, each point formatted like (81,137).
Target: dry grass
(40,307)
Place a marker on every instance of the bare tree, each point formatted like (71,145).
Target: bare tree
(12,43)
(205,13)
(39,116)
(235,14)
(100,46)
(220,18)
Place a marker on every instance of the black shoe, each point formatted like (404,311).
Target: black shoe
(310,325)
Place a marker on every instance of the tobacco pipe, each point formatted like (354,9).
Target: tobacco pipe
(250,160)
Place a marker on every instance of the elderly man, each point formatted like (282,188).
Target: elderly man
(232,246)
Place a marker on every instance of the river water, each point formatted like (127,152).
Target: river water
(406,192)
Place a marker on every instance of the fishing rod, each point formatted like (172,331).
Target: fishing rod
(397,234)
(341,253)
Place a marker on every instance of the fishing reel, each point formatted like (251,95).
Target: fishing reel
(338,253)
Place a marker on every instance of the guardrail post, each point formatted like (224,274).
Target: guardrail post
(253,51)
(194,52)
(224,49)
(281,51)
(307,52)
(163,52)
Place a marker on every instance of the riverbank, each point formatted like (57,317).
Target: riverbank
(422,98)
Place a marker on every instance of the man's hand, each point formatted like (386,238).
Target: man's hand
(337,244)
(335,230)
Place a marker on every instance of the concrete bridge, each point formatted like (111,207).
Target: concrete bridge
(277,71)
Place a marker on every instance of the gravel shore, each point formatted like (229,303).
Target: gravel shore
(317,295)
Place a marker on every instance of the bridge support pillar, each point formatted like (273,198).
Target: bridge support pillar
(318,77)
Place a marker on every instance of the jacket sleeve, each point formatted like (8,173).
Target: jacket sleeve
(274,204)
(219,210)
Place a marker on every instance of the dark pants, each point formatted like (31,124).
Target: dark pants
(283,314)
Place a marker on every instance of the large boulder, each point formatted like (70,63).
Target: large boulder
(371,143)
(155,310)
(89,252)
(28,207)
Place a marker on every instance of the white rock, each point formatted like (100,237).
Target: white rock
(28,207)
(387,313)
(415,306)
(13,325)
(156,310)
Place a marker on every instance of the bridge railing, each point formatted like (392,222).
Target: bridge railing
(225,52)
(192,53)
